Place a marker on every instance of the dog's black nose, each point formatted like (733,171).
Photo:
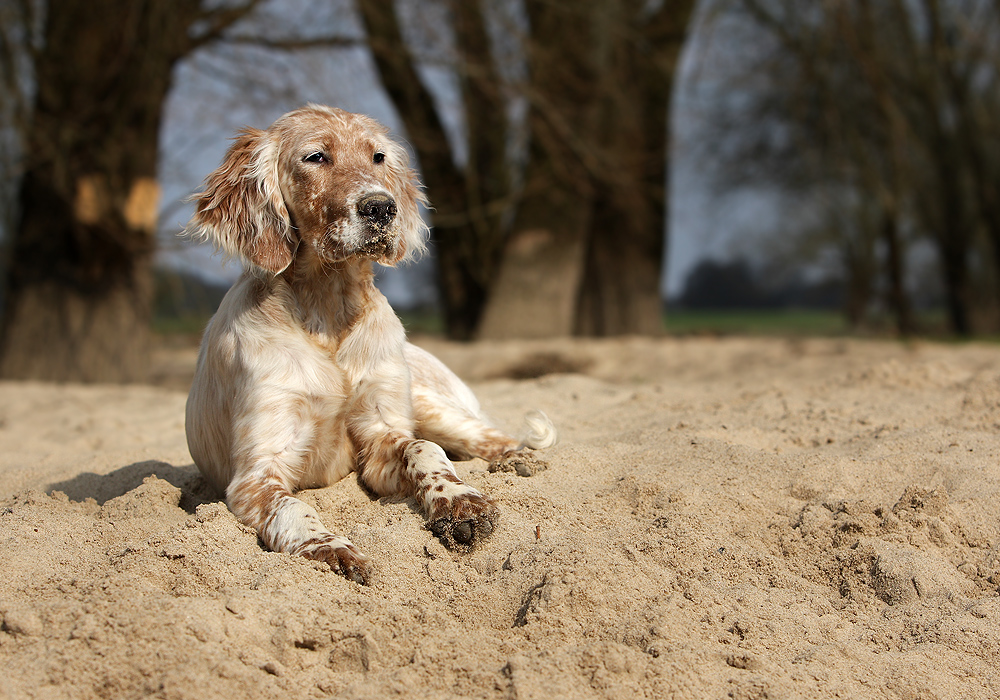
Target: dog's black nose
(378,209)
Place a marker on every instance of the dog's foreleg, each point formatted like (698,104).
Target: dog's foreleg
(274,443)
(285,524)
(457,513)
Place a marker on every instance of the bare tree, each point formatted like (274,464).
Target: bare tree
(470,199)
(84,88)
(90,79)
(619,293)
(891,102)
(584,255)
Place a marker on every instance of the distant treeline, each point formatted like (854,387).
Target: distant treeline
(180,295)
(736,284)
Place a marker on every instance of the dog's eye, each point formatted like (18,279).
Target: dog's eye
(316,157)
(378,157)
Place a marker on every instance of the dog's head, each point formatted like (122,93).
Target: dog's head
(319,181)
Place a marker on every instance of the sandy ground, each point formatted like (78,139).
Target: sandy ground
(723,518)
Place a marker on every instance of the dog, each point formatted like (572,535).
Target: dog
(304,374)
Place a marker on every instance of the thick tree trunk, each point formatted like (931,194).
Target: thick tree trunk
(78,292)
(536,290)
(78,289)
(621,294)
(590,227)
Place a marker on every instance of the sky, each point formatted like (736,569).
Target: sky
(215,94)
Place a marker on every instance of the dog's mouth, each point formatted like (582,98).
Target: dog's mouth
(371,242)
(379,243)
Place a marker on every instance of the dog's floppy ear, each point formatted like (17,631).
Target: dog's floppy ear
(241,209)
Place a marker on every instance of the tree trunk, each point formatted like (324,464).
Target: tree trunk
(467,213)
(955,268)
(953,230)
(536,289)
(626,237)
(859,263)
(590,226)
(898,301)
(78,289)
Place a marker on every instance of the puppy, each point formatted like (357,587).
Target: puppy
(305,374)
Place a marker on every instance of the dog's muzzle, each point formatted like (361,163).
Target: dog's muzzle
(377,211)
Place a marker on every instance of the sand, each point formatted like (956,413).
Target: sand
(722,518)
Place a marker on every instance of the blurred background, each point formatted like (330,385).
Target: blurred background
(596,167)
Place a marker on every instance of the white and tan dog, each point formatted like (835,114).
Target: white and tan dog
(305,374)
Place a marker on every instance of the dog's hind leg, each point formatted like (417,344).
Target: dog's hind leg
(447,413)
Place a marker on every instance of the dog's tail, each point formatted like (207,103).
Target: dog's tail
(538,431)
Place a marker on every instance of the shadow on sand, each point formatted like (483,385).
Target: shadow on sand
(103,487)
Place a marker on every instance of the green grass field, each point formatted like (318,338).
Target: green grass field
(759,322)
(799,322)
(755,322)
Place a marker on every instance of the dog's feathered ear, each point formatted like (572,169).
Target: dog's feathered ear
(241,209)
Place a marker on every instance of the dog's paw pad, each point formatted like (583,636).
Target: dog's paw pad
(463,532)
(522,462)
(470,522)
(461,535)
(345,560)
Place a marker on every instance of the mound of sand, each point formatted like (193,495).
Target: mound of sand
(722,518)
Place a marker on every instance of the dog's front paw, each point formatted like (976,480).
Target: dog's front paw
(344,558)
(523,462)
(469,519)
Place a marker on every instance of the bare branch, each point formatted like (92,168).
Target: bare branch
(295,44)
(217,21)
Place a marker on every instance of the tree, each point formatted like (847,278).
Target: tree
(78,287)
(584,255)
(619,293)
(512,261)
(90,83)
(891,106)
